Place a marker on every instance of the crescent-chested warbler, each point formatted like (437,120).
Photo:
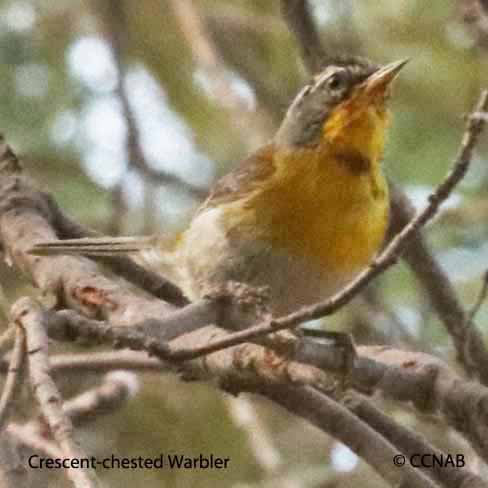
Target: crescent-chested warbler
(303,215)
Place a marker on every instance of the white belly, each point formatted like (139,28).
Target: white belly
(209,258)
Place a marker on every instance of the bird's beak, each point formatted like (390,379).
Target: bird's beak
(380,80)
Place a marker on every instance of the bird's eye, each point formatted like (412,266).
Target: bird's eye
(335,82)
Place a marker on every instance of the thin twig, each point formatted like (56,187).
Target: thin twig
(29,315)
(372,314)
(252,125)
(439,290)
(483,293)
(116,31)
(240,26)
(12,383)
(111,395)
(7,339)
(119,209)
(103,362)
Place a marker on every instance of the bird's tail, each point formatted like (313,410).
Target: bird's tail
(155,252)
(94,246)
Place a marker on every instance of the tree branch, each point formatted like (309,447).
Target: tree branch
(468,342)
(411,443)
(116,388)
(27,314)
(13,381)
(253,125)
(298,17)
(114,16)
(349,429)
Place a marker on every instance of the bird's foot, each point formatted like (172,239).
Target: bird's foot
(324,354)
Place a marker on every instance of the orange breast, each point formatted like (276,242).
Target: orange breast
(316,208)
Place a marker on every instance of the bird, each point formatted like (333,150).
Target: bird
(302,216)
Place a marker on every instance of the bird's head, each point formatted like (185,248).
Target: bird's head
(344,105)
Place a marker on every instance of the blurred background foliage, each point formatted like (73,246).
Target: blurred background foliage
(206,82)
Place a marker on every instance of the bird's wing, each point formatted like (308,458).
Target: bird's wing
(235,185)
(243,180)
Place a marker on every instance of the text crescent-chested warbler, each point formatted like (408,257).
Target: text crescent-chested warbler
(303,215)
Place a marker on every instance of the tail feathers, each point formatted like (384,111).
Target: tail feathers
(97,246)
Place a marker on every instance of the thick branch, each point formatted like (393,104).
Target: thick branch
(411,444)
(345,426)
